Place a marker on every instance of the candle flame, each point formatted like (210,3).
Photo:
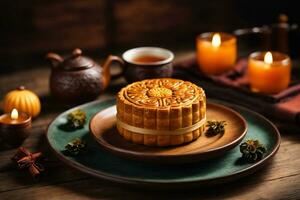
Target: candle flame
(14,114)
(268,58)
(216,40)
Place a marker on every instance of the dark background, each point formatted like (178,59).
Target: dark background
(31,28)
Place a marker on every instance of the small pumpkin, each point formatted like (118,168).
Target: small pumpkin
(23,100)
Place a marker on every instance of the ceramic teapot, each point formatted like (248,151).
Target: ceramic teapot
(281,36)
(78,78)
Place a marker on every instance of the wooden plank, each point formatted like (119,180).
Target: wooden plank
(282,165)
(37,27)
(37,79)
(250,188)
(58,173)
(279,180)
(179,21)
(33,79)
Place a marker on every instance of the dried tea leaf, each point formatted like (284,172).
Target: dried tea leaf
(75,147)
(215,127)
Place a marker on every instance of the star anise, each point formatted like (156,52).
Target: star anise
(252,150)
(30,161)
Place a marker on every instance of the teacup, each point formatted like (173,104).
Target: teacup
(146,63)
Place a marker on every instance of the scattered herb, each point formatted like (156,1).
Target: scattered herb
(215,127)
(76,119)
(75,147)
(252,150)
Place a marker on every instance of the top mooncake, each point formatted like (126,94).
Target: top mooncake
(162,93)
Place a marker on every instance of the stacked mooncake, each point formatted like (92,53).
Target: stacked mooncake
(161,112)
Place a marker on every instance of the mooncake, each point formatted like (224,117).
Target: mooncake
(161,112)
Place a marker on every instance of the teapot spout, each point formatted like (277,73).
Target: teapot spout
(54,58)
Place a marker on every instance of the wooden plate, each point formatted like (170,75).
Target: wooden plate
(100,163)
(103,129)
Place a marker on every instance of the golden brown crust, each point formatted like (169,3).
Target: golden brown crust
(161,104)
(161,93)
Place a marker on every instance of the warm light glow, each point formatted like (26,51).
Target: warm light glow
(216,40)
(14,114)
(268,58)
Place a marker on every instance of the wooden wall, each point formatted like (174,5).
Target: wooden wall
(31,28)
(37,27)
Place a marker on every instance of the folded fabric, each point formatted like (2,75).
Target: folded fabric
(234,87)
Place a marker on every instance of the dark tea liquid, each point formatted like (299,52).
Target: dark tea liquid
(148,59)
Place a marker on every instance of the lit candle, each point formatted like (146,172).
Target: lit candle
(269,72)
(216,52)
(14,127)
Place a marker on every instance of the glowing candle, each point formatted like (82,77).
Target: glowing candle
(14,127)
(216,52)
(14,114)
(269,72)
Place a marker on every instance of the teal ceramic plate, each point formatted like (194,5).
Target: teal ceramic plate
(102,164)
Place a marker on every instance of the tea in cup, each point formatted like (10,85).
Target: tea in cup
(147,63)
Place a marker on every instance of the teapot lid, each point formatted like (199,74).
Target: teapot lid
(76,61)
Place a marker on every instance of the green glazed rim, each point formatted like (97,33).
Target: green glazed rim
(141,182)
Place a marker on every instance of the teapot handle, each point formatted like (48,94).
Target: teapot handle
(54,58)
(106,69)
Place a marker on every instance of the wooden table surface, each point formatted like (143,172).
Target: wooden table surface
(280,179)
